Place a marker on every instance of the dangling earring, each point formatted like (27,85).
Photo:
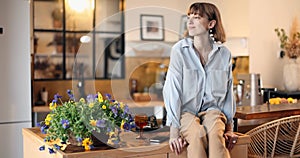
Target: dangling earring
(211,35)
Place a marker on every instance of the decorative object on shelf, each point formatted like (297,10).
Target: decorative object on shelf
(290,46)
(152,27)
(80,122)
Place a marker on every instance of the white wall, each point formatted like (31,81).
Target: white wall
(254,19)
(167,8)
(264,17)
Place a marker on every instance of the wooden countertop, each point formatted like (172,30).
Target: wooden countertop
(265,111)
(33,139)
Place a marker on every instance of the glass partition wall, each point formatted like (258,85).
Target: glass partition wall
(75,39)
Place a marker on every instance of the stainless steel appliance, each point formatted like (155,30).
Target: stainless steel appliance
(15,92)
(249,89)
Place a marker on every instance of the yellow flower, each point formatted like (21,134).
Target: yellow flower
(91,105)
(104,107)
(48,119)
(93,122)
(111,133)
(87,148)
(52,106)
(86,143)
(82,100)
(100,98)
(122,124)
(121,105)
(110,142)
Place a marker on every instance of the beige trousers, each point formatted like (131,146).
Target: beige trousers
(204,134)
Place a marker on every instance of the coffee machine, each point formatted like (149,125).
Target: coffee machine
(248,90)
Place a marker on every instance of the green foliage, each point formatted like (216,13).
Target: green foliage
(80,119)
(282,37)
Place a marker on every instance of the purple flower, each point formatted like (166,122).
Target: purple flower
(65,123)
(126,126)
(130,118)
(114,110)
(38,124)
(126,109)
(44,128)
(54,101)
(56,97)
(123,115)
(46,139)
(132,125)
(108,96)
(79,139)
(51,151)
(70,94)
(42,148)
(101,123)
(108,129)
(90,98)
(57,147)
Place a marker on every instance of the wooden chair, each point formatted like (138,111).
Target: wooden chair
(278,138)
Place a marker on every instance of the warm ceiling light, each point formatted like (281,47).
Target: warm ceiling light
(79,5)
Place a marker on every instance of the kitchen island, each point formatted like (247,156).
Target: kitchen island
(33,139)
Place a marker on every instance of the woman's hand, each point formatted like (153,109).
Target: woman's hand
(177,145)
(230,139)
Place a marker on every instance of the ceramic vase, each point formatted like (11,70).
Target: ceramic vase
(291,75)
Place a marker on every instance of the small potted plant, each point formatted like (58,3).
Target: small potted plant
(75,122)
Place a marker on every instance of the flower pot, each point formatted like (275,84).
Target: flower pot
(290,75)
(99,139)
(73,141)
(104,141)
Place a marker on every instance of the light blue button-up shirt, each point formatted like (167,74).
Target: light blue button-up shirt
(191,87)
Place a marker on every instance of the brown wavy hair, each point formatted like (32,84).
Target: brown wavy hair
(211,12)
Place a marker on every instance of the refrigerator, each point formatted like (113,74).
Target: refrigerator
(15,81)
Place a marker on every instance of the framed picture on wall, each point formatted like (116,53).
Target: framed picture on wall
(183,27)
(152,27)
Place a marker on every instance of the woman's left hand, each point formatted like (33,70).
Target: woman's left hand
(231,139)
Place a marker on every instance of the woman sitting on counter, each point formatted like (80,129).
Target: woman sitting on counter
(198,92)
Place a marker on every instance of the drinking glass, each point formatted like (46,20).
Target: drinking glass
(141,120)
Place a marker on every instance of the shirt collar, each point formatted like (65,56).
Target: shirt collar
(188,42)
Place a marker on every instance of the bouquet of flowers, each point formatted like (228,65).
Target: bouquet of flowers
(77,121)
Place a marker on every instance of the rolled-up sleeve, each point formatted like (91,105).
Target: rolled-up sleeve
(172,90)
